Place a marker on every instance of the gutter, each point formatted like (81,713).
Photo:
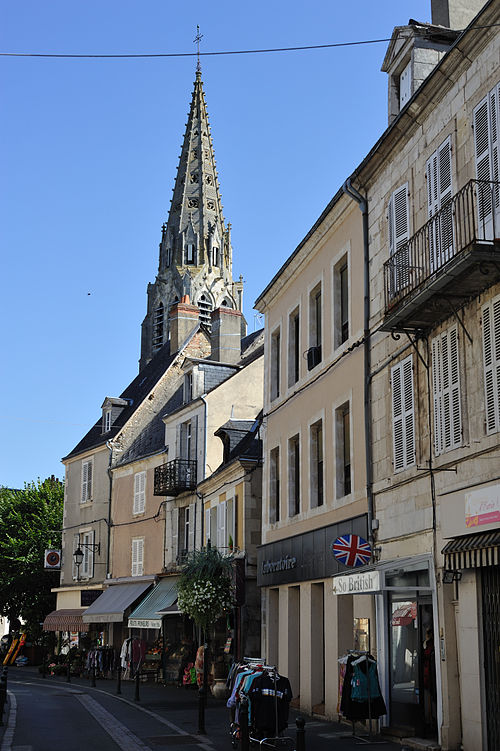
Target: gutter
(363,205)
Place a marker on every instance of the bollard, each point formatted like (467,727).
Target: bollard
(137,678)
(119,680)
(301,734)
(201,710)
(92,676)
(243,720)
(3,696)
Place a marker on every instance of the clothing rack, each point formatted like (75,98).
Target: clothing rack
(364,654)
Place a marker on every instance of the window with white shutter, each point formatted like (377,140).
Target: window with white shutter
(87,471)
(138,556)
(403,414)
(207,526)
(221,525)
(139,492)
(491,354)
(192,527)
(230,521)
(87,567)
(439,207)
(446,391)
(175,533)
(76,544)
(399,234)
(486,118)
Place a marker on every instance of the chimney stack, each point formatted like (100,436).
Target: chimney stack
(455,14)
(183,319)
(226,335)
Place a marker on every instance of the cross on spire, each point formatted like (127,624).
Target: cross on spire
(198,39)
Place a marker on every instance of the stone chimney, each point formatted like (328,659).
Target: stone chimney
(183,319)
(226,335)
(455,14)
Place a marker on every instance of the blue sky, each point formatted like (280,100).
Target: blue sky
(89,150)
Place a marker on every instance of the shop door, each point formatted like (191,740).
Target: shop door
(491,636)
(412,665)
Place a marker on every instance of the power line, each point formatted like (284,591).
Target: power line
(301,48)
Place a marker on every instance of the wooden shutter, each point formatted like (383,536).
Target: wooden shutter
(192,526)
(175,534)
(137,556)
(139,492)
(486,146)
(399,233)
(491,354)
(446,391)
(403,414)
(86,481)
(221,525)
(88,555)
(76,543)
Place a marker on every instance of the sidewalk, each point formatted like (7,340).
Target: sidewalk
(180,707)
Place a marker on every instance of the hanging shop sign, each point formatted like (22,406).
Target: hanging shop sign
(351,550)
(363,582)
(52,559)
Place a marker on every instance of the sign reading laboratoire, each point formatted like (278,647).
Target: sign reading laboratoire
(363,582)
(482,506)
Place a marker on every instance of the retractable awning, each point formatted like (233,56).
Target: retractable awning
(472,551)
(65,620)
(156,604)
(110,607)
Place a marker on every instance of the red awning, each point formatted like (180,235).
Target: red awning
(65,620)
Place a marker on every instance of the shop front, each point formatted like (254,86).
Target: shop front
(305,631)
(406,634)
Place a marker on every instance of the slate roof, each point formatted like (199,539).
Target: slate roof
(135,393)
(241,439)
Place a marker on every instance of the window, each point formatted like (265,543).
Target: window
(190,254)
(87,469)
(186,439)
(343,451)
(439,207)
(107,421)
(221,525)
(405,86)
(491,354)
(486,120)
(274,485)
(188,387)
(403,414)
(137,556)
(446,391)
(293,347)
(215,255)
(139,493)
(187,526)
(314,352)
(158,328)
(293,475)
(275,364)
(87,567)
(341,297)
(316,448)
(399,234)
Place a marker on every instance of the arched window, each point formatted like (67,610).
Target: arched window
(205,307)
(158,327)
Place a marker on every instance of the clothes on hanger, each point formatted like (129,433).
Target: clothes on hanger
(361,696)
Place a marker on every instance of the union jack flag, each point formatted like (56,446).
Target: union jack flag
(351,550)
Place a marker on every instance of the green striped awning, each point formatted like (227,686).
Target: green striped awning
(156,604)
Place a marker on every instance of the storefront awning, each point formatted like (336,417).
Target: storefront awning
(156,604)
(65,620)
(111,605)
(472,551)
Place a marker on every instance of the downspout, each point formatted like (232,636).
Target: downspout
(109,445)
(205,432)
(363,205)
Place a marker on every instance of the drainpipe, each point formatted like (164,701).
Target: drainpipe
(205,433)
(363,205)
(109,446)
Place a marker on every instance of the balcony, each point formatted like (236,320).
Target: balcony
(175,477)
(448,261)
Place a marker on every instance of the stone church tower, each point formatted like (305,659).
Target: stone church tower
(195,247)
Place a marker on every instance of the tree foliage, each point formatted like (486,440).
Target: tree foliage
(29,520)
(205,588)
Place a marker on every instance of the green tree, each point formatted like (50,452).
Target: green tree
(29,520)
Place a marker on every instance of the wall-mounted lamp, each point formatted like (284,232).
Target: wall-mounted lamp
(79,555)
(450,576)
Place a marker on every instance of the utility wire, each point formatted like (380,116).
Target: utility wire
(429,32)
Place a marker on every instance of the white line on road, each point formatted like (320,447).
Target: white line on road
(11,724)
(121,735)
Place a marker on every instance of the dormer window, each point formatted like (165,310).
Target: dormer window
(405,86)
(188,387)
(107,421)
(111,409)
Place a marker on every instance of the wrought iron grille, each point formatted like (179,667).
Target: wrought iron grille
(175,477)
(491,629)
(470,217)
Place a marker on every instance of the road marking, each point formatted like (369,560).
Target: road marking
(11,723)
(121,735)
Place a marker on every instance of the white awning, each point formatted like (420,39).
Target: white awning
(111,605)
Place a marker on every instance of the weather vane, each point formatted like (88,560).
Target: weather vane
(198,39)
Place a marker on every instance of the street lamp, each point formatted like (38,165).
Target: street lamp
(79,555)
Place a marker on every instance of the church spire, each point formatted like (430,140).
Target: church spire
(195,248)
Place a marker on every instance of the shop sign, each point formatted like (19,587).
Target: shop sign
(482,506)
(143,623)
(283,564)
(356,584)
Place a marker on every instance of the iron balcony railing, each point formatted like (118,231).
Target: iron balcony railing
(469,218)
(175,477)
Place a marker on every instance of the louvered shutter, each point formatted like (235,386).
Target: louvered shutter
(221,525)
(445,205)
(76,543)
(495,156)
(491,354)
(175,534)
(86,481)
(139,492)
(446,388)
(134,558)
(403,414)
(192,526)
(486,116)
(454,387)
(399,233)
(437,391)
(137,557)
(88,555)
(432,208)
